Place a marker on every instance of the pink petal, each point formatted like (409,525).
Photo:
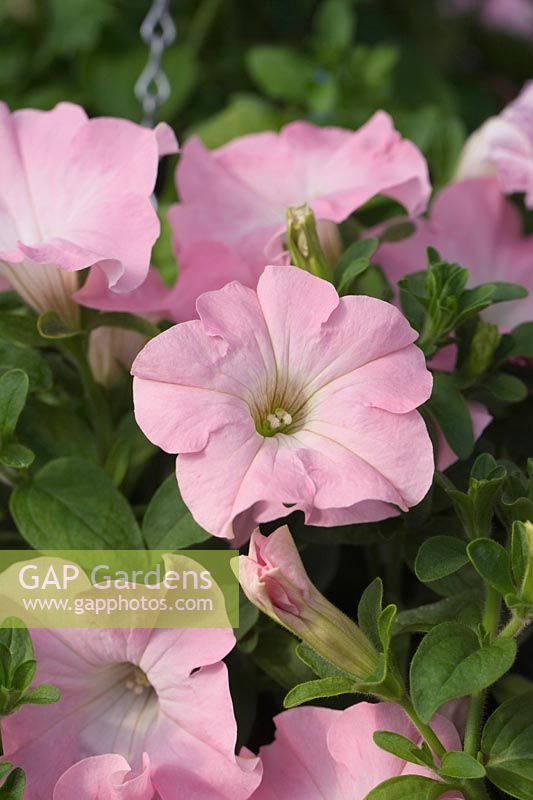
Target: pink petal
(298,765)
(204,267)
(106,777)
(80,191)
(350,742)
(198,721)
(150,298)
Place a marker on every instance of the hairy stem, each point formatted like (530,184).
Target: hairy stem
(426,731)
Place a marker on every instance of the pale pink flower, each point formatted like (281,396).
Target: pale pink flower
(105,777)
(274,579)
(323,754)
(75,193)
(128,692)
(237,196)
(288,399)
(503,147)
(473,224)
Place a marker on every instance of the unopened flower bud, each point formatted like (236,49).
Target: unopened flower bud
(304,244)
(274,579)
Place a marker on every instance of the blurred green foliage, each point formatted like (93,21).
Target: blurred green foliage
(238,67)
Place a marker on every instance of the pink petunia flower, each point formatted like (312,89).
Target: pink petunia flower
(472,223)
(503,146)
(129,692)
(323,754)
(75,193)
(235,199)
(288,399)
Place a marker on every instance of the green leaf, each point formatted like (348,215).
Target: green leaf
(42,695)
(349,275)
(5,767)
(506,388)
(456,764)
(507,745)
(55,431)
(523,340)
(30,361)
(24,674)
(492,562)
(16,456)
(451,663)
(14,785)
(361,249)
(369,611)
(408,787)
(319,665)
(281,72)
(450,410)
(507,291)
(385,624)
(464,607)
(315,690)
(439,557)
(168,523)
(52,326)
(72,504)
(16,638)
(353,262)
(404,748)
(20,329)
(13,393)
(334,26)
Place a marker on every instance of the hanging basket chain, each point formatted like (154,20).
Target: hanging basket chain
(153,88)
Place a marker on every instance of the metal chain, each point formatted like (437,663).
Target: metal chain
(153,88)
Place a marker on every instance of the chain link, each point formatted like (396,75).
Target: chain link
(153,88)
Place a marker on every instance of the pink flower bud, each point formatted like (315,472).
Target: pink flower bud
(274,579)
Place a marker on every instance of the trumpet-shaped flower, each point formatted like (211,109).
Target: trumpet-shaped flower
(237,196)
(288,398)
(75,193)
(163,693)
(503,146)
(322,754)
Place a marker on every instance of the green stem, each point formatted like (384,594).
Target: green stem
(491,613)
(97,405)
(474,720)
(427,732)
(513,627)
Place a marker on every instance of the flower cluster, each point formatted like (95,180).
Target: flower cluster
(294,397)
